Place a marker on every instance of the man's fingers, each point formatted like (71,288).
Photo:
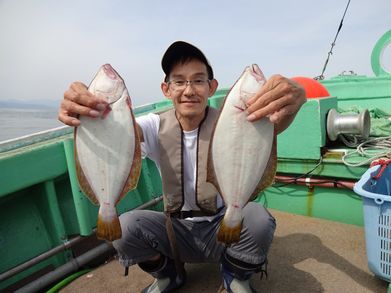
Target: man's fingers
(278,116)
(268,109)
(68,120)
(268,97)
(75,109)
(274,102)
(79,94)
(273,83)
(82,110)
(70,110)
(79,101)
(279,95)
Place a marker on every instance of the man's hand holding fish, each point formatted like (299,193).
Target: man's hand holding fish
(280,99)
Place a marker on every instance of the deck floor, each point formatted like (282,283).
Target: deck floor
(307,255)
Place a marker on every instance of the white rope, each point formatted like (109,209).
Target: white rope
(370,150)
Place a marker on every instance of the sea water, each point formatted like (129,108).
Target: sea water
(19,122)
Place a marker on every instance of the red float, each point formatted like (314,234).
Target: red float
(312,87)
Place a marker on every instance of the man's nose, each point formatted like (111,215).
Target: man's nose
(189,90)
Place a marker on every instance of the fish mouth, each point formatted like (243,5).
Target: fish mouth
(110,72)
(257,73)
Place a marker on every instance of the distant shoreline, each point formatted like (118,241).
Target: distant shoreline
(47,105)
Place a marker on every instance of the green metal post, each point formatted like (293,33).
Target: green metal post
(54,211)
(80,200)
(53,219)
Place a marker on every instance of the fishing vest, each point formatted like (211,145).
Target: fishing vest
(171,163)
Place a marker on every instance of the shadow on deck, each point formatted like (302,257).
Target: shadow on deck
(307,255)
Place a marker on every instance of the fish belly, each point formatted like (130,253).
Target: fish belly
(240,153)
(105,151)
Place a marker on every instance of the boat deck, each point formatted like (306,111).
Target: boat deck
(307,255)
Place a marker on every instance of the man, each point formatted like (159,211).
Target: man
(189,82)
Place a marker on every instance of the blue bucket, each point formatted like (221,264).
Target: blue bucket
(376,194)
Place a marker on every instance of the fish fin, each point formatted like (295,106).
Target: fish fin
(228,234)
(135,170)
(270,170)
(83,182)
(108,230)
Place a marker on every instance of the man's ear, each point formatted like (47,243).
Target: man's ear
(165,90)
(213,84)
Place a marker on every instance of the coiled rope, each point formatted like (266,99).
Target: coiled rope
(369,150)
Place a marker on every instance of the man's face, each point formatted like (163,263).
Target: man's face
(189,98)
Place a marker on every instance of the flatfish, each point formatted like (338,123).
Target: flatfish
(107,151)
(242,155)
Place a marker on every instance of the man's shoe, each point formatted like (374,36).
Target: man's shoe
(236,274)
(166,277)
(234,285)
(164,285)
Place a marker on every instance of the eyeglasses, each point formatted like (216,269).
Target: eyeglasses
(181,84)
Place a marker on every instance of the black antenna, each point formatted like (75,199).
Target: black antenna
(321,76)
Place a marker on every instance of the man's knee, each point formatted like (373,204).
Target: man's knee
(131,222)
(260,224)
(132,225)
(258,219)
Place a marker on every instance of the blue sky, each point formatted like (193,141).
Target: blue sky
(45,45)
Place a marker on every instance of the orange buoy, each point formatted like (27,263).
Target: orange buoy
(312,87)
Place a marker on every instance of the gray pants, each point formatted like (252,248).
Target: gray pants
(144,236)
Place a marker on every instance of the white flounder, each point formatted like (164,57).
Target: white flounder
(107,151)
(242,155)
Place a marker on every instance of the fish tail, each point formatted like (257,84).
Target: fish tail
(109,230)
(229,234)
